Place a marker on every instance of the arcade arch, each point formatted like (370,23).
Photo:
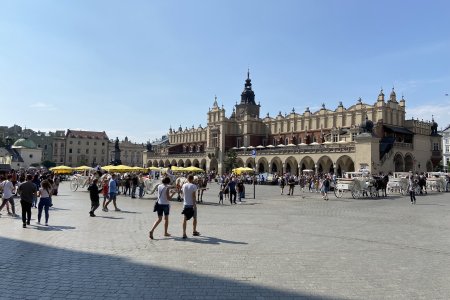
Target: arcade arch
(187,163)
(250,163)
(399,163)
(203,164)
(325,165)
(276,165)
(263,165)
(306,163)
(409,162)
(180,163)
(196,163)
(291,165)
(213,165)
(344,164)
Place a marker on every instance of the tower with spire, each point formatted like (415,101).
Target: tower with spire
(247,107)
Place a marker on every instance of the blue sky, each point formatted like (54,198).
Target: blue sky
(135,68)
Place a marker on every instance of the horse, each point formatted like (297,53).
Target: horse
(381,184)
(422,182)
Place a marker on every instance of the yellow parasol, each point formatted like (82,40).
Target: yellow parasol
(193,169)
(61,170)
(82,168)
(241,170)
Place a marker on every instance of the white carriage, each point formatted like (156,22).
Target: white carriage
(77,181)
(437,181)
(359,184)
(398,183)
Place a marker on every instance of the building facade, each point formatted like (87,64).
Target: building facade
(130,153)
(374,136)
(29,152)
(83,148)
(445,133)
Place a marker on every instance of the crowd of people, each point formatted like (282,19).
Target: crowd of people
(35,190)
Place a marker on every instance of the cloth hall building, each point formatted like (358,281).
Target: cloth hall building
(372,136)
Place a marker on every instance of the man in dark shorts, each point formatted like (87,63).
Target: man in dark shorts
(27,191)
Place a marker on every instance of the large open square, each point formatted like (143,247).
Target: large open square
(276,246)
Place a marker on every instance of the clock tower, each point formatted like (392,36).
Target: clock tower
(247,106)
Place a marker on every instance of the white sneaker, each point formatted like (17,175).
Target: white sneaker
(39,223)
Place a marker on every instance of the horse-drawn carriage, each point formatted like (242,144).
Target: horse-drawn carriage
(398,183)
(359,184)
(437,181)
(79,180)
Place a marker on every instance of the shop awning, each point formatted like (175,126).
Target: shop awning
(396,129)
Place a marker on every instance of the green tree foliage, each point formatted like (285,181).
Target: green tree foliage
(230,161)
(48,164)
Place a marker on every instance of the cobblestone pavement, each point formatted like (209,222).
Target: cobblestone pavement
(276,246)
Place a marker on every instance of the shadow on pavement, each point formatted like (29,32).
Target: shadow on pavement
(129,212)
(53,228)
(208,240)
(57,208)
(108,217)
(86,275)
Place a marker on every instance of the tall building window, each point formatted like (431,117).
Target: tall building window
(335,138)
(435,146)
(215,140)
(238,142)
(70,150)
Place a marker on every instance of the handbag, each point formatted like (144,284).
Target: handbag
(156,206)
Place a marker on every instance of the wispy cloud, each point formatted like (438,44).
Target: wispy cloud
(43,106)
(440,112)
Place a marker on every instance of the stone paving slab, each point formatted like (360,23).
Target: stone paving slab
(275,246)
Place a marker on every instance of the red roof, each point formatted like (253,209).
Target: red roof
(87,134)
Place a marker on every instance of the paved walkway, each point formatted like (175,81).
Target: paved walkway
(272,247)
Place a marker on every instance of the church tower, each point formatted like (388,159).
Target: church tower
(247,106)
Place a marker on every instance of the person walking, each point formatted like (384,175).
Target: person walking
(45,201)
(112,186)
(232,188)
(134,184)
(8,195)
(27,191)
(291,183)
(325,188)
(412,189)
(282,184)
(163,206)
(94,192)
(105,192)
(189,205)
(141,186)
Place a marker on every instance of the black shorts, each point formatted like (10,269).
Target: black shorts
(189,212)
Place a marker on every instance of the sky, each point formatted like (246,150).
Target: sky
(136,68)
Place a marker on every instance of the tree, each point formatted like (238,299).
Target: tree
(230,161)
(48,164)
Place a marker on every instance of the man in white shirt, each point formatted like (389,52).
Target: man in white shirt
(8,195)
(190,207)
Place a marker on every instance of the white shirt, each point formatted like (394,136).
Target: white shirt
(162,196)
(44,194)
(8,189)
(189,190)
